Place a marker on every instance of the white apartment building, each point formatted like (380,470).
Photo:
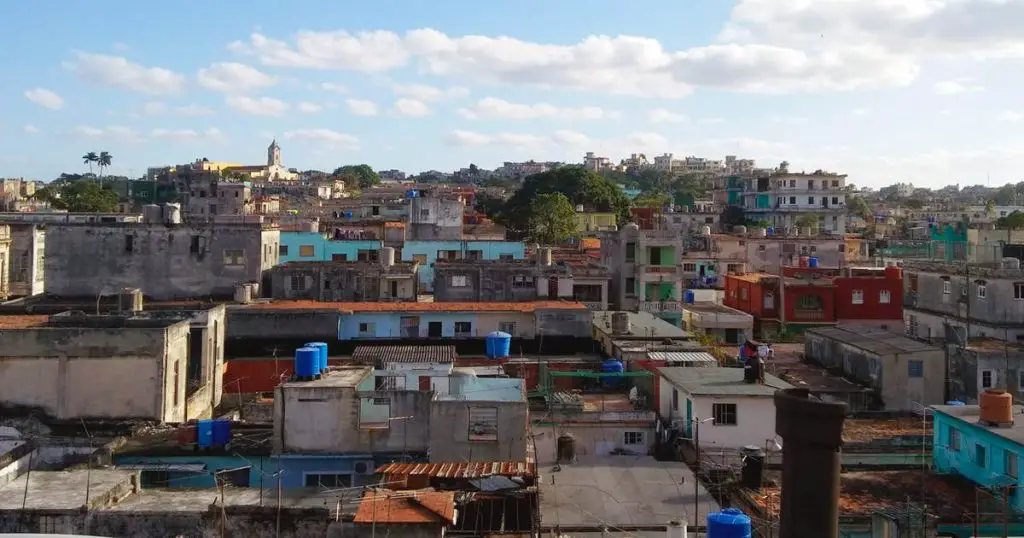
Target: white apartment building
(782,200)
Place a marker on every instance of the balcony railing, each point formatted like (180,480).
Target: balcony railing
(594,305)
(661,269)
(655,307)
(808,315)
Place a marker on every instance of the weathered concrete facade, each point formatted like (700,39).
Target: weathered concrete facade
(345,281)
(985,364)
(5,256)
(435,219)
(26,260)
(468,428)
(165,261)
(499,281)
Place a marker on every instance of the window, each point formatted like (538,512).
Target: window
(884,297)
(1010,464)
(474,254)
(915,368)
(792,200)
(307,251)
(630,252)
(630,287)
(298,282)
(195,246)
(761,248)
(129,243)
(769,301)
(342,257)
(1018,290)
(1020,379)
(234,257)
(633,438)
(458,281)
(521,282)
(419,258)
(988,379)
(389,382)
(506,257)
(367,255)
(858,297)
(483,423)
(328,480)
(835,200)
(954,439)
(675,400)
(743,294)
(980,455)
(734,267)
(792,183)
(689,268)
(724,414)
(810,200)
(366,329)
(463,328)
(507,327)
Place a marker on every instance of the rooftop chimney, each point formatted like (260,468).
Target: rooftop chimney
(812,433)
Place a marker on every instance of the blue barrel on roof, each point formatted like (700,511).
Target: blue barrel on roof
(307,362)
(769,231)
(812,262)
(204,433)
(689,296)
(321,348)
(221,432)
(412,193)
(348,214)
(955,403)
(729,523)
(613,366)
(498,345)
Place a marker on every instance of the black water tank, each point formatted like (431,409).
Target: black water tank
(753,467)
(752,370)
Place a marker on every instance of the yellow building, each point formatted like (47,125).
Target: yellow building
(592,221)
(272,171)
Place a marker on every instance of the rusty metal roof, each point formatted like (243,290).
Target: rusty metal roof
(435,354)
(462,470)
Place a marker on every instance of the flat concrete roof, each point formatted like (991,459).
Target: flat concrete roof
(720,382)
(621,491)
(60,490)
(972,413)
(344,377)
(870,339)
(191,500)
(708,307)
(643,325)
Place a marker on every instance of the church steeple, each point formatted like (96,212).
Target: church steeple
(274,154)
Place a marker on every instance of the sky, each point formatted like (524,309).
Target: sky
(887,91)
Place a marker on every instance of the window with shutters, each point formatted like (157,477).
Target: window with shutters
(483,423)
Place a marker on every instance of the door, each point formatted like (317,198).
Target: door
(434,329)
(732,336)
(425,383)
(394,289)
(409,326)
(553,288)
(689,417)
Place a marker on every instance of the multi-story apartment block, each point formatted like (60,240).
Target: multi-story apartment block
(784,200)
(647,271)
(957,302)
(347,281)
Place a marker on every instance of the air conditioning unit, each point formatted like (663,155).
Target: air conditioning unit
(364,467)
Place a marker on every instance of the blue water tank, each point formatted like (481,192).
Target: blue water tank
(612,366)
(729,523)
(321,348)
(348,214)
(770,231)
(412,193)
(221,432)
(498,345)
(688,296)
(307,362)
(204,433)
(955,403)
(812,262)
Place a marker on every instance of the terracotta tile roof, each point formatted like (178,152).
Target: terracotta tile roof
(461,470)
(524,307)
(22,322)
(435,354)
(407,507)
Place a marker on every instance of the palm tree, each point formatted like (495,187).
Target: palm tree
(90,158)
(104,161)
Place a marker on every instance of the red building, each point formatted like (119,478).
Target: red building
(805,297)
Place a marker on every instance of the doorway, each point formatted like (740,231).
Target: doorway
(434,329)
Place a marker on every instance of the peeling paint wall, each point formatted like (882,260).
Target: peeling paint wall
(450,432)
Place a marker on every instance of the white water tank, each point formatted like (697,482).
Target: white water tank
(544,256)
(387,256)
(706,231)
(762,232)
(172,214)
(739,229)
(620,323)
(243,293)
(1010,263)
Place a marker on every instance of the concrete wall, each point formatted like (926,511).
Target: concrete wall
(592,439)
(941,294)
(166,262)
(326,420)
(435,219)
(26,260)
(450,432)
(249,323)
(426,253)
(343,282)
(324,249)
(93,372)
(755,418)
(577,323)
(388,324)
(485,283)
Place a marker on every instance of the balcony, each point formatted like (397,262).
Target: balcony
(671,270)
(655,307)
(808,315)
(595,306)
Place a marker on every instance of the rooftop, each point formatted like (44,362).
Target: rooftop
(877,341)
(461,469)
(624,491)
(407,507)
(708,307)
(753,278)
(79,319)
(643,325)
(343,377)
(860,430)
(788,366)
(434,354)
(972,414)
(523,307)
(22,322)
(676,358)
(62,490)
(720,382)
(191,500)
(397,267)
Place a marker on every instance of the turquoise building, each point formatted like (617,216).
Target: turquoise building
(315,246)
(427,252)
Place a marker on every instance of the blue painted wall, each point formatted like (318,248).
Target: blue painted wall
(492,250)
(387,324)
(295,467)
(947,457)
(323,248)
(204,479)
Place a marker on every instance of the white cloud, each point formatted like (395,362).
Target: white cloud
(232,77)
(309,108)
(411,108)
(562,138)
(860,111)
(661,115)
(494,108)
(257,106)
(789,120)
(328,137)
(361,107)
(211,134)
(45,98)
(952,87)
(1011,115)
(117,132)
(30,129)
(423,92)
(156,108)
(118,72)
(332,87)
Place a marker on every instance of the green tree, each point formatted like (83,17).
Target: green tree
(104,161)
(807,220)
(358,175)
(652,200)
(856,205)
(784,167)
(579,185)
(990,207)
(488,204)
(85,196)
(90,158)
(1013,221)
(552,219)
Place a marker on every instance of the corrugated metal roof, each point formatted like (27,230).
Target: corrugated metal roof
(462,470)
(368,355)
(697,357)
(407,507)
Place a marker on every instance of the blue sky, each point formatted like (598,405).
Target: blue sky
(916,90)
